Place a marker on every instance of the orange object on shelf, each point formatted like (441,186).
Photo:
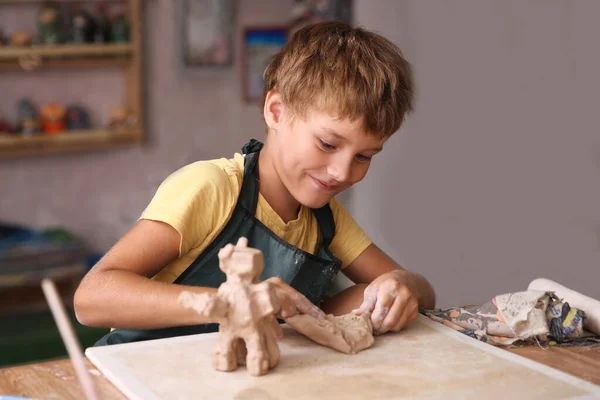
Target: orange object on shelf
(54,127)
(53,118)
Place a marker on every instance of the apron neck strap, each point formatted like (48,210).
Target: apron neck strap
(253,146)
(250,185)
(326,224)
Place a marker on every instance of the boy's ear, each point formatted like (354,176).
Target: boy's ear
(273,110)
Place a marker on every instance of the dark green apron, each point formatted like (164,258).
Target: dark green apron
(309,274)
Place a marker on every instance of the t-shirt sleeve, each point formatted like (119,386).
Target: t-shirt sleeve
(194,200)
(349,240)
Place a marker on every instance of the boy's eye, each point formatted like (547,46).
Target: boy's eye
(326,146)
(363,158)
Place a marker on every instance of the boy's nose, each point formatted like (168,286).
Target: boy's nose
(340,171)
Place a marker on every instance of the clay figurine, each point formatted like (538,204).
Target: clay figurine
(102,34)
(245,310)
(21,38)
(29,123)
(347,333)
(119,30)
(120,118)
(5,128)
(77,118)
(50,29)
(53,118)
(83,27)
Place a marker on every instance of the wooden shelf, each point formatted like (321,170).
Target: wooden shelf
(83,63)
(16,146)
(56,1)
(126,56)
(67,50)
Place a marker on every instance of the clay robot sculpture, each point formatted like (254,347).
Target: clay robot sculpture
(246,309)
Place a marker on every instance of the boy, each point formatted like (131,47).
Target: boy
(332,97)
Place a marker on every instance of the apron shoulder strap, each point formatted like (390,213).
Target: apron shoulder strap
(326,224)
(253,146)
(250,183)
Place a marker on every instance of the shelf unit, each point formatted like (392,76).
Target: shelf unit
(126,56)
(55,1)
(67,141)
(10,53)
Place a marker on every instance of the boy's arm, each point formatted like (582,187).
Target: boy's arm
(117,292)
(393,294)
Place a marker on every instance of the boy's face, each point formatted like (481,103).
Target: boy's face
(319,156)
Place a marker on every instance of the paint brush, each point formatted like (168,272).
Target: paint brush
(69,339)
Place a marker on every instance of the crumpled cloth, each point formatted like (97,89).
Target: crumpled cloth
(529,316)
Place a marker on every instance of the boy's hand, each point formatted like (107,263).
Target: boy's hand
(293,302)
(393,301)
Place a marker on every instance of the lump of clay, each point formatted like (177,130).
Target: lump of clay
(347,333)
(244,309)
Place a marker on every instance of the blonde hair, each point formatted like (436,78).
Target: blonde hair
(344,71)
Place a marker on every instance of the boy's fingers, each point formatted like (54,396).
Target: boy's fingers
(369,301)
(288,308)
(306,307)
(385,300)
(294,301)
(394,317)
(302,304)
(377,318)
(364,307)
(411,313)
(403,312)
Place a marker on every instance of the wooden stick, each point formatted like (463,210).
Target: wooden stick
(70,340)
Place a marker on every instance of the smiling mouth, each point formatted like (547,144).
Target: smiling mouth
(323,185)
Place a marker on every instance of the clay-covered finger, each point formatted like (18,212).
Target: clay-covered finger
(288,306)
(303,305)
(408,309)
(410,312)
(306,307)
(385,300)
(369,301)
(392,320)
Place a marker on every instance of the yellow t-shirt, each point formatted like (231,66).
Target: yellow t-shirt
(198,201)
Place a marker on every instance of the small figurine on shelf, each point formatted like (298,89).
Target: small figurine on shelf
(5,128)
(120,118)
(83,27)
(49,24)
(102,34)
(21,38)
(53,118)
(29,118)
(119,30)
(77,118)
